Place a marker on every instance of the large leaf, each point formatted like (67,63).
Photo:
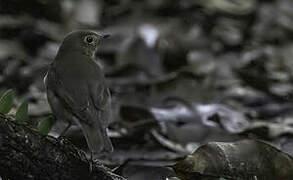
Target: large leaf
(22,113)
(6,101)
(246,159)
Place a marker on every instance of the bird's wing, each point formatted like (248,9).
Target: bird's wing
(101,99)
(98,90)
(88,106)
(99,95)
(73,96)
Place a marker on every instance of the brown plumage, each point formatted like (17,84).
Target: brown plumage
(76,89)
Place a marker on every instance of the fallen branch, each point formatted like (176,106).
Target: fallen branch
(25,154)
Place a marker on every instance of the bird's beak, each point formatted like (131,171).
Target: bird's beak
(105,36)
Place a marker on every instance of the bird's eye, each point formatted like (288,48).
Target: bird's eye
(89,39)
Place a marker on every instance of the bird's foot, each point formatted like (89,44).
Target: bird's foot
(60,138)
(91,167)
(91,163)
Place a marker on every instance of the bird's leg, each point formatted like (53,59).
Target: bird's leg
(65,130)
(91,162)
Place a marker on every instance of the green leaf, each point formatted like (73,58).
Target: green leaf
(22,113)
(45,125)
(2,91)
(6,101)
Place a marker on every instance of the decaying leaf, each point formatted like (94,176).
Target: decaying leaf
(230,120)
(243,160)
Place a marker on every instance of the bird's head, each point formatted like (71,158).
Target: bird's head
(84,42)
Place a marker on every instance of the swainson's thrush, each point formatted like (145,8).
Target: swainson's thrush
(76,89)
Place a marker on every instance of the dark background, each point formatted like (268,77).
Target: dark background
(181,73)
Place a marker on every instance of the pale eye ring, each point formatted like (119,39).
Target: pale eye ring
(89,39)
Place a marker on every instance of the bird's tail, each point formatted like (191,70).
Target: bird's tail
(97,139)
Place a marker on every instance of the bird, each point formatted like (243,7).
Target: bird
(77,91)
